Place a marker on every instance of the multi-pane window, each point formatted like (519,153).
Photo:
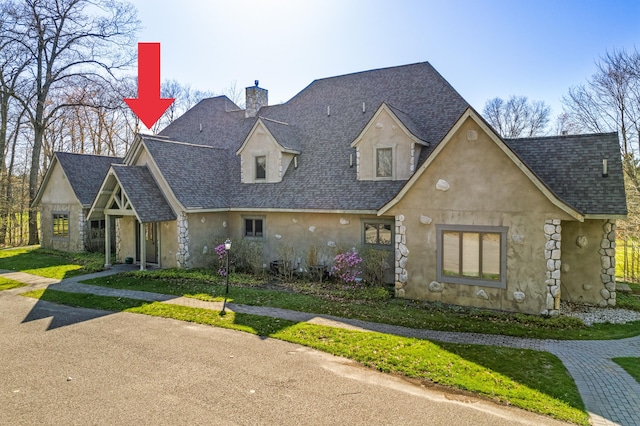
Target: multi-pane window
(254,227)
(61,225)
(472,255)
(377,233)
(384,162)
(261,167)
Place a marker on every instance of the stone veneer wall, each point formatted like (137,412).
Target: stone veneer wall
(82,230)
(402,255)
(608,263)
(552,253)
(182,254)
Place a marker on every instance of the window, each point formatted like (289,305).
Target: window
(472,255)
(261,167)
(61,225)
(254,228)
(378,233)
(97,229)
(384,162)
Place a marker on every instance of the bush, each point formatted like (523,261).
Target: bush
(347,267)
(375,263)
(245,257)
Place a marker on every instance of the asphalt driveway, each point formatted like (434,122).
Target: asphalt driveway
(95,367)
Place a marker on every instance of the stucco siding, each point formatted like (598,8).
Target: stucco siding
(478,185)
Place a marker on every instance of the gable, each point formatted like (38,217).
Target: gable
(56,188)
(479,173)
(386,149)
(263,158)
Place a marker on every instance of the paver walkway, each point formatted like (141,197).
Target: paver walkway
(611,396)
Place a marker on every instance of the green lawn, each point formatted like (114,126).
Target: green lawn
(368,305)
(631,365)
(508,376)
(50,263)
(6,284)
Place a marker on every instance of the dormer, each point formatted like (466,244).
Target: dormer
(267,151)
(388,147)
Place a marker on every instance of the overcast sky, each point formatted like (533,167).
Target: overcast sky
(483,48)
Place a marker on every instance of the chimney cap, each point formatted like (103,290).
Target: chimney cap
(257,82)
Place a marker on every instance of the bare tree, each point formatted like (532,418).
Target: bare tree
(65,40)
(517,117)
(610,102)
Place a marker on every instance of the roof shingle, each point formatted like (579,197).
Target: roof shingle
(85,173)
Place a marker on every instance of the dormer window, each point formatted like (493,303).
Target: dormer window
(261,167)
(388,147)
(384,162)
(267,151)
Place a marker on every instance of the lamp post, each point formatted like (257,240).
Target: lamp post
(227,248)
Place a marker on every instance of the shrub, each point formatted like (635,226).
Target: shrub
(245,257)
(347,266)
(374,264)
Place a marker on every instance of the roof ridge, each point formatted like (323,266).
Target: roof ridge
(575,135)
(85,155)
(189,144)
(272,120)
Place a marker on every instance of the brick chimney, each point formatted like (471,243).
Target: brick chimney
(256,99)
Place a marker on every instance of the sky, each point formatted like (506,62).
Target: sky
(484,49)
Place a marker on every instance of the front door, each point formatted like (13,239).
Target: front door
(151,233)
(150,242)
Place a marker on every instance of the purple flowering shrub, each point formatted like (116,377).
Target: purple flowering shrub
(222,266)
(347,266)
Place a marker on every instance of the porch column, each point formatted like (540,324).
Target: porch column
(143,247)
(107,242)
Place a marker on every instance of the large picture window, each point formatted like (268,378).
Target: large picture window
(61,225)
(473,255)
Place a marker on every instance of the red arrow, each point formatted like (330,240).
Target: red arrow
(149,106)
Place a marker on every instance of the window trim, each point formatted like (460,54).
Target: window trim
(254,218)
(53,225)
(375,162)
(502,230)
(376,221)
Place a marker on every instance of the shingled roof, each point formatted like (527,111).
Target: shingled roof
(196,154)
(571,166)
(144,194)
(321,122)
(85,173)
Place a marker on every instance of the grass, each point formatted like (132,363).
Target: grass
(6,284)
(368,305)
(535,381)
(50,263)
(631,365)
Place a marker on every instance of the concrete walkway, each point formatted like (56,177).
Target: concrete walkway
(611,396)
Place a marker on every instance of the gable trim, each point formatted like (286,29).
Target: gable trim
(260,124)
(470,113)
(394,117)
(45,182)
(111,193)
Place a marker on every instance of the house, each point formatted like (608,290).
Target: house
(64,198)
(392,159)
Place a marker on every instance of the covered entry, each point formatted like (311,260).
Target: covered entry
(131,191)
